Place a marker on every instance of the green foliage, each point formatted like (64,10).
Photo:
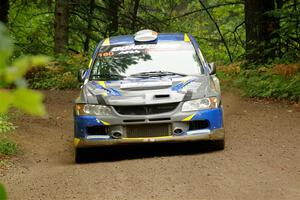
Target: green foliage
(8,147)
(5,125)
(289,30)
(11,75)
(89,23)
(274,81)
(3,195)
(61,74)
(31,24)
(36,35)
(256,84)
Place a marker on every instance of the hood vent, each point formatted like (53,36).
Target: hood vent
(161,96)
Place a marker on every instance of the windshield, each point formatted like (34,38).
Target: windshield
(175,58)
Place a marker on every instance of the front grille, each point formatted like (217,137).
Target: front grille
(146,109)
(148,130)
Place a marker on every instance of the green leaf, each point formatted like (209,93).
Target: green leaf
(29,101)
(6,47)
(21,65)
(6,100)
(39,60)
(3,195)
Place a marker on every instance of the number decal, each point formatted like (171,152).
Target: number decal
(105,54)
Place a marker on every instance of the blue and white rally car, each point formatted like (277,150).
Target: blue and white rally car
(147,87)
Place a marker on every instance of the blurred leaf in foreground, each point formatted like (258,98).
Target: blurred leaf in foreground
(11,76)
(3,195)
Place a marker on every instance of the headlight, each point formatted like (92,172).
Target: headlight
(90,109)
(200,104)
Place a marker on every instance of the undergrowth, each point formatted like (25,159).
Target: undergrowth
(280,81)
(58,74)
(7,146)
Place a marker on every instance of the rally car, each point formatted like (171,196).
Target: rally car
(147,87)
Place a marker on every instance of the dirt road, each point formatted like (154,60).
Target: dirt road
(261,159)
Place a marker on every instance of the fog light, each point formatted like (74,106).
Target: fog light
(177,131)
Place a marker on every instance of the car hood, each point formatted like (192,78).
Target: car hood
(143,91)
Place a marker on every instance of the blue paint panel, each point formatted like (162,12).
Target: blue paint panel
(121,40)
(170,37)
(110,91)
(114,92)
(129,39)
(98,86)
(178,87)
(214,116)
(194,42)
(81,122)
(87,73)
(181,85)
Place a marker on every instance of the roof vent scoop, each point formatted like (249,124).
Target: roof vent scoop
(145,36)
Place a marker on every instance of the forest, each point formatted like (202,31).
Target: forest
(255,45)
(241,35)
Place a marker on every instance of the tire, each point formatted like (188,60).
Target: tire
(79,155)
(219,144)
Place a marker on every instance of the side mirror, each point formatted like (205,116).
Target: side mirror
(213,68)
(80,75)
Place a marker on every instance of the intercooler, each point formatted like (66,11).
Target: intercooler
(148,130)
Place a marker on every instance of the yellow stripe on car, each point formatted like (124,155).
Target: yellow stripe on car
(104,123)
(186,38)
(106,42)
(90,63)
(76,142)
(188,118)
(102,83)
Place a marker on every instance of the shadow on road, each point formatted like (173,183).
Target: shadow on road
(117,153)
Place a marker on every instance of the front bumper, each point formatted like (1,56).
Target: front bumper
(214,131)
(196,135)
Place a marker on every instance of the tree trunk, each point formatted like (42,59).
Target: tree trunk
(4,8)
(112,15)
(61,26)
(260,27)
(135,6)
(89,26)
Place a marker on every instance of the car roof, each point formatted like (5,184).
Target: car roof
(129,39)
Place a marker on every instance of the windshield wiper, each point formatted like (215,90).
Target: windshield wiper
(156,74)
(107,76)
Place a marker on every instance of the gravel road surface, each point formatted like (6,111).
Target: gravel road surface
(261,159)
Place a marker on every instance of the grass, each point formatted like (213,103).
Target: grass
(5,125)
(3,195)
(277,82)
(7,147)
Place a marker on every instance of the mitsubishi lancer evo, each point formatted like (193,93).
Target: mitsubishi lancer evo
(147,88)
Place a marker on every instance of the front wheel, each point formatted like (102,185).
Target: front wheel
(79,155)
(219,144)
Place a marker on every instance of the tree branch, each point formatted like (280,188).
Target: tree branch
(207,8)
(218,29)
